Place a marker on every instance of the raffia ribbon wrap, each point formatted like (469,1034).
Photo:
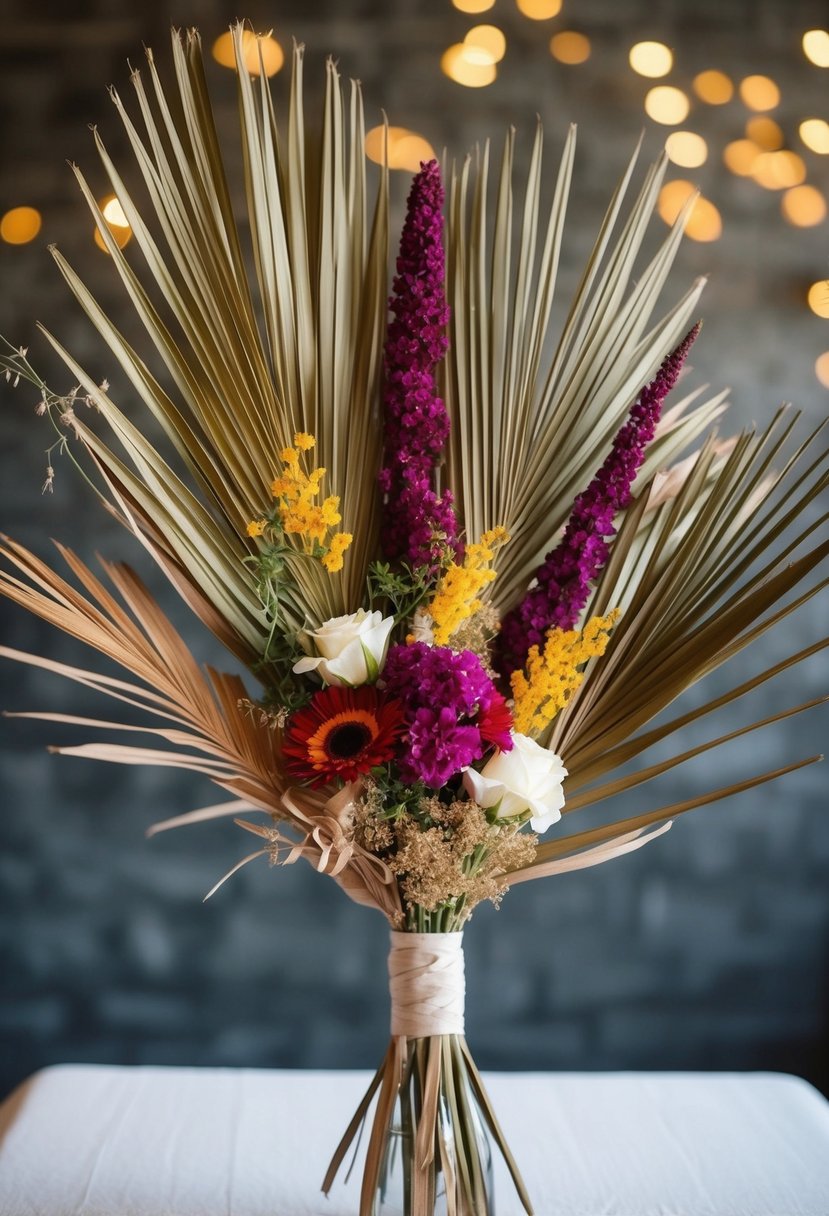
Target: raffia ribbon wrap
(426,981)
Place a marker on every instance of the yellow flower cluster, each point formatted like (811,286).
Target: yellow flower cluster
(456,598)
(551,677)
(333,559)
(300,514)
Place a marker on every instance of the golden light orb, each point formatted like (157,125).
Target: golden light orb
(687,149)
(406,149)
(713,87)
(539,10)
(818,298)
(20,225)
(822,368)
(778,170)
(766,133)
(667,105)
(815,134)
(651,59)
(113,212)
(816,47)
(473,6)
(803,206)
(740,156)
(703,223)
(759,93)
(273,56)
(672,198)
(456,66)
(484,44)
(570,47)
(121,235)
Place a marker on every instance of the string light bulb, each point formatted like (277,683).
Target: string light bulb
(651,59)
(687,149)
(570,47)
(816,47)
(20,225)
(667,105)
(273,57)
(713,87)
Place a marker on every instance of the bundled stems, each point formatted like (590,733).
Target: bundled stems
(432,1133)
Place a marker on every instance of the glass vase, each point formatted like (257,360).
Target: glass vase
(453,1177)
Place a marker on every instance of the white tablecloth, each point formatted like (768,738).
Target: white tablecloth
(97,1141)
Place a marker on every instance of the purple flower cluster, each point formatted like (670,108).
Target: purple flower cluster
(564,579)
(452,710)
(416,523)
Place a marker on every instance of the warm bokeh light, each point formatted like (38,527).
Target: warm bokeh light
(702,224)
(778,170)
(803,206)
(672,198)
(713,87)
(457,67)
(822,368)
(484,44)
(667,105)
(406,149)
(759,93)
(741,156)
(473,6)
(273,56)
(539,10)
(687,149)
(570,47)
(120,234)
(20,225)
(816,47)
(113,212)
(650,58)
(818,298)
(815,134)
(766,133)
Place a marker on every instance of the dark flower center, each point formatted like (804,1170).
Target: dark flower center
(346,741)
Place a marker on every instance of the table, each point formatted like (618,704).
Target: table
(79,1140)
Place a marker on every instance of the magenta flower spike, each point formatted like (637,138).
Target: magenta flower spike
(417,523)
(563,581)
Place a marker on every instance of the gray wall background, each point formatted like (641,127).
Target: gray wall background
(708,950)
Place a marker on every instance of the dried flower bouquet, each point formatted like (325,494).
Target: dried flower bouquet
(465,557)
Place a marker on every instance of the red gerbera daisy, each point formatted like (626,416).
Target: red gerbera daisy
(341,733)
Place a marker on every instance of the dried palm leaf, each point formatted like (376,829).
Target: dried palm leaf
(247,365)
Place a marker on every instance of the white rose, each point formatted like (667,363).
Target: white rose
(349,649)
(529,778)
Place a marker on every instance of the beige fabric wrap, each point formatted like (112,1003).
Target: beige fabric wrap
(427,985)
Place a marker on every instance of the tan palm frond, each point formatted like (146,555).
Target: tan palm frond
(245,366)
(699,578)
(532,419)
(205,727)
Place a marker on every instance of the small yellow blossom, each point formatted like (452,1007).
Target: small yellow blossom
(300,513)
(256,527)
(552,676)
(456,598)
(333,559)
